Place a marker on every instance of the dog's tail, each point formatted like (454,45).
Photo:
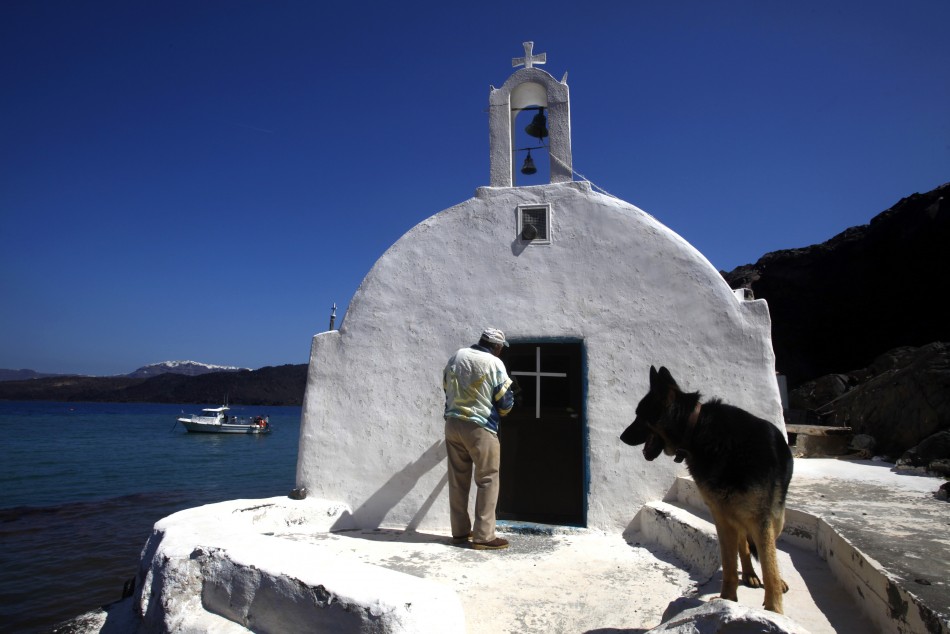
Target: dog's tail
(752,549)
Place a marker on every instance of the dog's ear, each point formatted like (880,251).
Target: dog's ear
(664,384)
(653,378)
(665,378)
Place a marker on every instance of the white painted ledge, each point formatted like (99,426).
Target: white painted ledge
(239,560)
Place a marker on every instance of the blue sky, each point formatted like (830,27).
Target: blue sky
(203,180)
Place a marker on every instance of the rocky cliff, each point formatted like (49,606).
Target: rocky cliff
(859,327)
(837,305)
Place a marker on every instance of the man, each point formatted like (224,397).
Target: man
(477,394)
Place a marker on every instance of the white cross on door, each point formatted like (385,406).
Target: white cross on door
(537,374)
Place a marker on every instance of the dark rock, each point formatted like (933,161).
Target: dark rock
(902,398)
(688,615)
(931,449)
(813,394)
(839,304)
(863,443)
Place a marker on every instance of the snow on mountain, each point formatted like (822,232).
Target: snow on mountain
(188,368)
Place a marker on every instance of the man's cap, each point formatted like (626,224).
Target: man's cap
(493,335)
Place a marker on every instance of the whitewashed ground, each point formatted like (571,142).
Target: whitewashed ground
(552,584)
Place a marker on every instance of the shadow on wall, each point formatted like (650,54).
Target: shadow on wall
(373,511)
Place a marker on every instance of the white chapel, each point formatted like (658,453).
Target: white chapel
(590,291)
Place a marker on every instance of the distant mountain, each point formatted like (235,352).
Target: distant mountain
(281,385)
(188,368)
(21,375)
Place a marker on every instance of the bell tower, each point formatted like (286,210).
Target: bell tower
(530,89)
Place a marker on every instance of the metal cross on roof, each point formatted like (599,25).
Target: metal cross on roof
(529,60)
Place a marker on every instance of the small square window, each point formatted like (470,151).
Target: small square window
(534,223)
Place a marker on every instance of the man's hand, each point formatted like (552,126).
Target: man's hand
(516,391)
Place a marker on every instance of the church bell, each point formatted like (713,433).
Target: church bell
(528,167)
(538,128)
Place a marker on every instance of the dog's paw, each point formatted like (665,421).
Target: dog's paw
(751,580)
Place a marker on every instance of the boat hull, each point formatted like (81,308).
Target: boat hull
(222,428)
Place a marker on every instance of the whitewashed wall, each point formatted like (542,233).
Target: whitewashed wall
(614,277)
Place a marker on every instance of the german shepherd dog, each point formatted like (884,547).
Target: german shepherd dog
(742,466)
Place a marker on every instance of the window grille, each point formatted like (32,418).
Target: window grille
(534,224)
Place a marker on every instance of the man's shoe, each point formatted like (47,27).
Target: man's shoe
(496,544)
(461,540)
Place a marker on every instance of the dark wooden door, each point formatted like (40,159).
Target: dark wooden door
(543,439)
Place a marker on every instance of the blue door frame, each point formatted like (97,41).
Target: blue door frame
(545,458)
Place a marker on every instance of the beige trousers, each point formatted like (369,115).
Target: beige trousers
(470,446)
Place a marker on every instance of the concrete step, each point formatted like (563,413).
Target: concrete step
(812,555)
(681,525)
(678,530)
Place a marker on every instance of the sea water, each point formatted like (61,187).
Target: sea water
(82,484)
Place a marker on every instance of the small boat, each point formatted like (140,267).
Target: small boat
(215,420)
